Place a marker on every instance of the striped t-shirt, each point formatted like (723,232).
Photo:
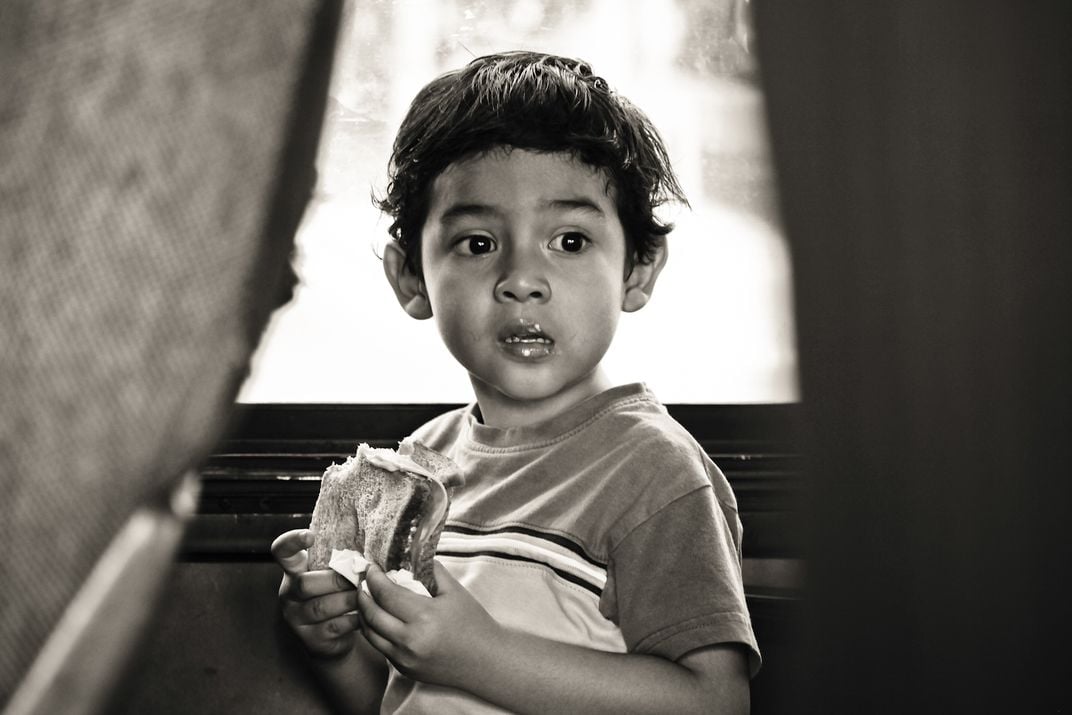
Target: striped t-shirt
(606,526)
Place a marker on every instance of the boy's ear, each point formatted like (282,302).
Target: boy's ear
(408,287)
(640,282)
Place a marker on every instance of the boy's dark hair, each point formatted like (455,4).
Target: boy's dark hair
(535,101)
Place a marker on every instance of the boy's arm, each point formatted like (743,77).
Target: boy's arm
(451,640)
(527,673)
(355,681)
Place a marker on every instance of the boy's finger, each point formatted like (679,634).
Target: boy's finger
(317,583)
(384,646)
(328,607)
(329,647)
(289,550)
(400,602)
(338,627)
(377,620)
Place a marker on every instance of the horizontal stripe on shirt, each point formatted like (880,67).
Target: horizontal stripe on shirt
(558,554)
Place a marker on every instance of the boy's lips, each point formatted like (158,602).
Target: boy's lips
(525,339)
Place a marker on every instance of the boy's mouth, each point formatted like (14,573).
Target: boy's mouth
(524,339)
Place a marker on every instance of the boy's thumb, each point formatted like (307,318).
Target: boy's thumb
(289,550)
(445,582)
(295,563)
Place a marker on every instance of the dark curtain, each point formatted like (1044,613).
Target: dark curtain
(924,155)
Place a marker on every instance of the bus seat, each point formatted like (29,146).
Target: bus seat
(157,158)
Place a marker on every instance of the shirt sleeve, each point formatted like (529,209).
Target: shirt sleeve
(674,582)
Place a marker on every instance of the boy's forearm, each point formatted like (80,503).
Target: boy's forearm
(530,674)
(355,682)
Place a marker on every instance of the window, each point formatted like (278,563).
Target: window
(719,328)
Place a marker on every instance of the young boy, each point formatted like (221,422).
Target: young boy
(591,562)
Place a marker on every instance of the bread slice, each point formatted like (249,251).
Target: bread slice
(390,506)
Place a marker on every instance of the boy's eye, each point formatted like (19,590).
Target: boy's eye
(570,242)
(475,245)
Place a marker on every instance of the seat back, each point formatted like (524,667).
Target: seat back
(157,158)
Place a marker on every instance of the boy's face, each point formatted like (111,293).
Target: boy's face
(524,262)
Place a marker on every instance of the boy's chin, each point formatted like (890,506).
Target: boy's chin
(515,391)
(535,389)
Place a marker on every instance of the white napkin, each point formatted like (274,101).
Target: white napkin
(349,564)
(352,566)
(404,578)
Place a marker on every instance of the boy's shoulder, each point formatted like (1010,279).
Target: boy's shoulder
(661,453)
(644,426)
(653,463)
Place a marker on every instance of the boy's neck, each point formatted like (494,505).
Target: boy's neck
(502,411)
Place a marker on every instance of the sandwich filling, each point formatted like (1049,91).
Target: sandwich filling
(423,514)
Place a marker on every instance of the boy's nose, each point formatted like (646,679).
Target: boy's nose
(522,286)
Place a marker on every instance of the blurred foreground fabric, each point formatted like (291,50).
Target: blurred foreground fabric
(157,158)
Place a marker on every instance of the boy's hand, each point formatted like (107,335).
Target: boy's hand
(319,606)
(435,640)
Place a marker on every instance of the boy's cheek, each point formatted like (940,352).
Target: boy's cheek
(454,300)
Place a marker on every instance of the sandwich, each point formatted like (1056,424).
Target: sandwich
(385,507)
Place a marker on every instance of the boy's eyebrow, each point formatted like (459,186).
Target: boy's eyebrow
(575,204)
(461,210)
(465,210)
